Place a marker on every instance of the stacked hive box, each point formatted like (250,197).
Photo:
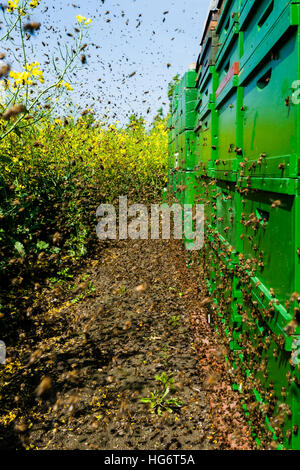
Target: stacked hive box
(182,142)
(246,168)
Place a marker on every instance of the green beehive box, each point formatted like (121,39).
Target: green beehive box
(174,100)
(187,120)
(205,124)
(198,103)
(271,117)
(207,136)
(271,240)
(220,279)
(257,18)
(242,164)
(207,87)
(203,133)
(208,188)
(228,105)
(202,193)
(171,137)
(208,54)
(229,145)
(228,212)
(170,184)
(264,354)
(171,156)
(271,376)
(198,190)
(270,365)
(188,201)
(228,19)
(191,188)
(176,146)
(232,52)
(187,116)
(188,81)
(177,182)
(189,94)
(187,151)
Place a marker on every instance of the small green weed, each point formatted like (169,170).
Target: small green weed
(158,400)
(174,321)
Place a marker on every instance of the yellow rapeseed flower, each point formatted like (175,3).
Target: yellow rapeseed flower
(25,78)
(34,3)
(80,18)
(68,86)
(35,71)
(5,83)
(21,78)
(65,84)
(12,5)
(83,19)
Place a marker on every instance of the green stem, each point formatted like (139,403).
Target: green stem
(24,56)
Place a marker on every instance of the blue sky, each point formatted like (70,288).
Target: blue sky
(122,49)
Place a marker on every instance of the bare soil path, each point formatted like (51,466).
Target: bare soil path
(77,377)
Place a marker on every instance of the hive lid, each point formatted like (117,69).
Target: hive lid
(212,17)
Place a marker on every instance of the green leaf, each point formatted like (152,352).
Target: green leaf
(145,400)
(42,245)
(20,248)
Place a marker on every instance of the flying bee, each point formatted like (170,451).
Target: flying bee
(32,26)
(21,426)
(4,70)
(43,387)
(291,327)
(13,111)
(276,203)
(288,101)
(211,380)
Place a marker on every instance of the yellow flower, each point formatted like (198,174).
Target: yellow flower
(34,3)
(65,84)
(21,78)
(12,5)
(35,71)
(83,19)
(25,78)
(80,18)
(68,86)
(5,83)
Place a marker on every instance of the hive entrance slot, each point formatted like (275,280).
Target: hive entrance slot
(264,81)
(263,216)
(266,15)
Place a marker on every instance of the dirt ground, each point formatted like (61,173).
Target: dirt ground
(95,345)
